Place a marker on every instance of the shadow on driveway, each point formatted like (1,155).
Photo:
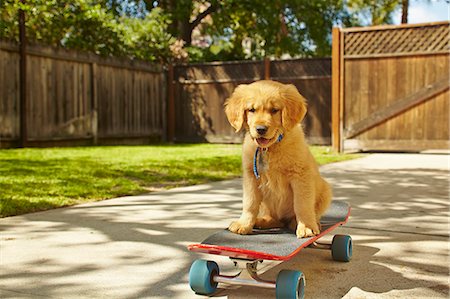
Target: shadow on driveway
(135,247)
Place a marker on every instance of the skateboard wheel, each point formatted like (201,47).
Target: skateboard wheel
(201,277)
(341,248)
(290,284)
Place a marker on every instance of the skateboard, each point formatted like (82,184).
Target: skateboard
(247,251)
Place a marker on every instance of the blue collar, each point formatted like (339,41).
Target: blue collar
(255,158)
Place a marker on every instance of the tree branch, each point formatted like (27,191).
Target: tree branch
(212,8)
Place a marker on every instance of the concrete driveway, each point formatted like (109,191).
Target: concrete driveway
(135,247)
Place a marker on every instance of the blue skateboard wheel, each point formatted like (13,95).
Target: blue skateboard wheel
(290,285)
(201,277)
(341,248)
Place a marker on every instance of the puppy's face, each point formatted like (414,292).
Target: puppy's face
(263,119)
(265,109)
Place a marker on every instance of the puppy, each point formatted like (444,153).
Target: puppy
(282,186)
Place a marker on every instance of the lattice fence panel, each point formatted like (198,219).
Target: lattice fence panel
(409,40)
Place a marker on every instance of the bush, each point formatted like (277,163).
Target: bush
(89,26)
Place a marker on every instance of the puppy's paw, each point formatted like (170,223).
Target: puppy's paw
(238,228)
(304,231)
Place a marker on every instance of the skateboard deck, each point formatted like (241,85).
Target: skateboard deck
(270,244)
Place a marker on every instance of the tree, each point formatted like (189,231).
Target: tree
(162,30)
(148,38)
(186,15)
(248,29)
(73,24)
(275,28)
(405,8)
(373,12)
(90,25)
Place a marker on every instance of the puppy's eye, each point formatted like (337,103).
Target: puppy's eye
(251,110)
(274,110)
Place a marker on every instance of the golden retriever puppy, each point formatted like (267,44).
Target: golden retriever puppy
(282,185)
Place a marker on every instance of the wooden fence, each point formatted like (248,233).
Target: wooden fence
(390,92)
(199,92)
(80,98)
(391,87)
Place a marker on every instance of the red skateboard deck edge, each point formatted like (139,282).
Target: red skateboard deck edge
(255,255)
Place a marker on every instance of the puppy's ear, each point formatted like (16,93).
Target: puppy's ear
(234,108)
(294,106)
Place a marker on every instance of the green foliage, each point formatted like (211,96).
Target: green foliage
(374,12)
(75,24)
(88,25)
(248,29)
(163,30)
(148,38)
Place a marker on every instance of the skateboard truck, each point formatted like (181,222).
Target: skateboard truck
(317,245)
(247,276)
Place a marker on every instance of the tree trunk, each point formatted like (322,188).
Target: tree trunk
(405,6)
(181,26)
(185,29)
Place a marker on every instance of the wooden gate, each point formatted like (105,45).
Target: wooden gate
(391,88)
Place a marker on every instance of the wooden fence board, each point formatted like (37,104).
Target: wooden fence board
(9,106)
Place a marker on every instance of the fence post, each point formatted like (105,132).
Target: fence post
(266,68)
(170,104)
(23,79)
(336,121)
(94,104)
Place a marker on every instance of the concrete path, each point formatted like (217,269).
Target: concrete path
(135,247)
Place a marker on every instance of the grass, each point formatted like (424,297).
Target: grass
(40,179)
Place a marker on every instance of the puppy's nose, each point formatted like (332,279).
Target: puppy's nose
(262,130)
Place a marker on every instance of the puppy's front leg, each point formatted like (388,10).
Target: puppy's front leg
(250,207)
(304,207)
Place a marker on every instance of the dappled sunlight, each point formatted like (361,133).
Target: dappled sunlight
(394,200)
(117,246)
(135,247)
(399,224)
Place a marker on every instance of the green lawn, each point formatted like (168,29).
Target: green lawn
(40,179)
